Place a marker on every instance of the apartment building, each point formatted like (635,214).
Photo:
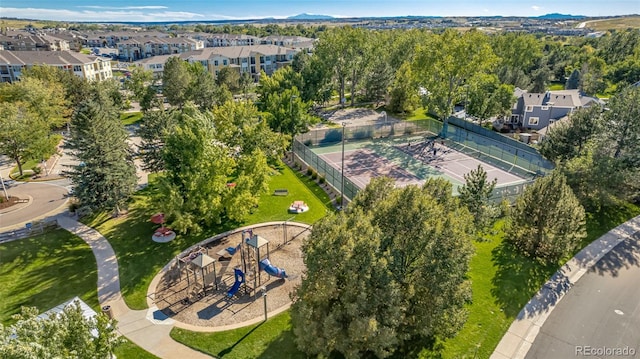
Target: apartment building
(91,68)
(112,38)
(250,59)
(539,110)
(29,42)
(140,48)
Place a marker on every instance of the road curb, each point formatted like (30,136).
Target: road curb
(519,338)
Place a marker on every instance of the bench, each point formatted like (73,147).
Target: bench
(281,192)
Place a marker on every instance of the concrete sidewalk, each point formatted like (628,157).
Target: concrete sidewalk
(137,325)
(515,344)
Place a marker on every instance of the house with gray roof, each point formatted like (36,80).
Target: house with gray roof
(535,111)
(91,68)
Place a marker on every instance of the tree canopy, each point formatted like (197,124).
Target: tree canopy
(59,335)
(548,222)
(398,260)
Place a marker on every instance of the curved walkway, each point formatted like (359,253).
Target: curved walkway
(523,331)
(133,324)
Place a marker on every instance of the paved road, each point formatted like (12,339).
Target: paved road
(45,200)
(602,310)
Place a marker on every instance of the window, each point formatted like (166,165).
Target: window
(215,63)
(544,108)
(529,108)
(515,118)
(77,68)
(224,62)
(533,121)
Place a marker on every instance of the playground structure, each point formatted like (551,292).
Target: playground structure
(217,281)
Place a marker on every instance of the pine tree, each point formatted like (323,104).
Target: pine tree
(475,194)
(548,222)
(105,176)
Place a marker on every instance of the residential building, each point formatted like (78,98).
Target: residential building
(288,41)
(224,40)
(112,38)
(250,59)
(91,68)
(28,42)
(140,48)
(538,110)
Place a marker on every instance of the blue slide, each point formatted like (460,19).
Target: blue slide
(272,270)
(239,275)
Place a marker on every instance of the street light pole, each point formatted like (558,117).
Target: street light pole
(4,189)
(344,124)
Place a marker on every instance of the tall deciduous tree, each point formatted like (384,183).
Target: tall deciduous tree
(106,175)
(489,98)
(138,83)
(23,135)
(548,222)
(63,335)
(475,194)
(449,61)
(408,248)
(203,154)
(567,139)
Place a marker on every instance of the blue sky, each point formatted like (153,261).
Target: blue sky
(164,10)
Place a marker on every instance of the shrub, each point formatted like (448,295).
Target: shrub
(314,175)
(309,171)
(321,179)
(36,170)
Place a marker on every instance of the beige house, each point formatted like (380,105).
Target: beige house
(91,68)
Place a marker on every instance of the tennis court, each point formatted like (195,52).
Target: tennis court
(408,160)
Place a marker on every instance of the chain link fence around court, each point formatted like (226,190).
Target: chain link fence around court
(470,139)
(332,176)
(498,150)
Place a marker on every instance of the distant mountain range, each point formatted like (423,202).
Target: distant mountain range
(556,16)
(305,16)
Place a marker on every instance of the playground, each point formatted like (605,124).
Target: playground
(221,281)
(408,160)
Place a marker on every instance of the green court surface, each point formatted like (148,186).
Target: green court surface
(409,160)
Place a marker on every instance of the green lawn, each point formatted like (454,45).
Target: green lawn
(556,87)
(44,271)
(130,118)
(504,281)
(418,114)
(270,339)
(140,259)
(128,350)
(49,269)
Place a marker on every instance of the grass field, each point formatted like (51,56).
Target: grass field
(618,23)
(272,339)
(130,118)
(140,259)
(47,270)
(44,271)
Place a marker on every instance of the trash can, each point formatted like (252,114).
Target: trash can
(107,311)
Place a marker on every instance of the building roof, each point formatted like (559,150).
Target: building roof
(561,98)
(45,57)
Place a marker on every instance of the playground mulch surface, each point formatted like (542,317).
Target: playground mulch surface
(215,308)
